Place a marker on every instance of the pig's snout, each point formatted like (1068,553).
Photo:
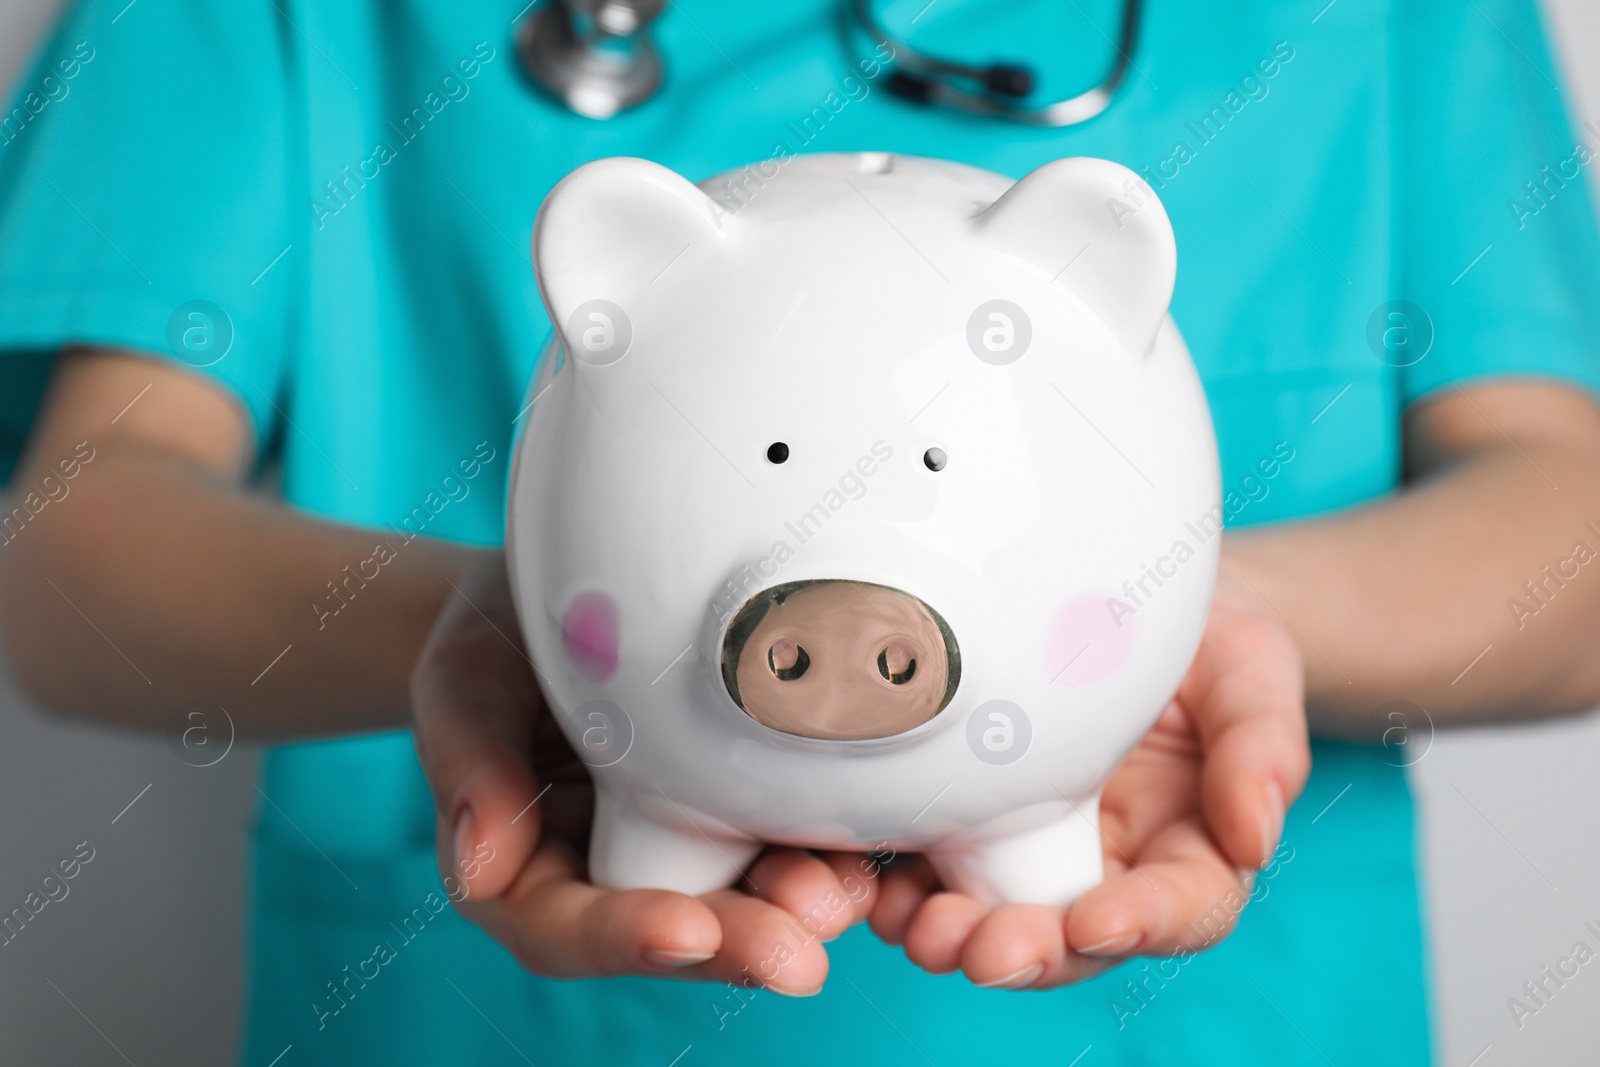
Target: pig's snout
(839,659)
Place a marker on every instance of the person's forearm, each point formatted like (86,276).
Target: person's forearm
(156,588)
(1426,597)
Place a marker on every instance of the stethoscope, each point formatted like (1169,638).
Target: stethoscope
(598,58)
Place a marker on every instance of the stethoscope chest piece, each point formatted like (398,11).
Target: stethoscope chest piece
(595,56)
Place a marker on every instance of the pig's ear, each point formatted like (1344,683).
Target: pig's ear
(1107,217)
(611,227)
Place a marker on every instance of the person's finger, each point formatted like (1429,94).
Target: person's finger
(761,944)
(474,703)
(807,888)
(558,925)
(939,930)
(487,823)
(1156,785)
(1016,946)
(1246,697)
(860,875)
(1024,946)
(901,891)
(483,788)
(1183,896)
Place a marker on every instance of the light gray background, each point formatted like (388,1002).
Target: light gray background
(141,962)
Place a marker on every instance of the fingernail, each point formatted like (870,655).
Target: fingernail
(1120,945)
(461,845)
(1272,822)
(659,957)
(795,993)
(1017,979)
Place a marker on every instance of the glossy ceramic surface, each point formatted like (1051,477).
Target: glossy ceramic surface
(981,405)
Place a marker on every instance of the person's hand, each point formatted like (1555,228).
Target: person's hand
(514,807)
(1186,820)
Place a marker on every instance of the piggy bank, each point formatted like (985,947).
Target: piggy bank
(865,501)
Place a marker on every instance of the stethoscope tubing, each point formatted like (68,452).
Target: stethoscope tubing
(599,85)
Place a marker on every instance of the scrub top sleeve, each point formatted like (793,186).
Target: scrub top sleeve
(146,158)
(1495,237)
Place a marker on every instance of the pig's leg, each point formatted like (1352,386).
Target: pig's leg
(1054,863)
(631,850)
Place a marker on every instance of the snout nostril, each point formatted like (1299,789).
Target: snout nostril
(897,665)
(787,660)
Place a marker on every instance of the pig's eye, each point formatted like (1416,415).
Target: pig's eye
(896,664)
(935,459)
(787,659)
(777,452)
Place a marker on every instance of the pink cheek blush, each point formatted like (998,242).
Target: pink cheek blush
(589,634)
(1085,645)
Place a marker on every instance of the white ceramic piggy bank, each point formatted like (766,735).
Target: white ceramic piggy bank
(867,501)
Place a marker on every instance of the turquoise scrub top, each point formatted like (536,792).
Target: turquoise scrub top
(344,195)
